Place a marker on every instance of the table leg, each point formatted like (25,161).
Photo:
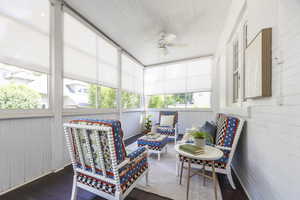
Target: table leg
(214,179)
(188,180)
(159,155)
(203,171)
(181,170)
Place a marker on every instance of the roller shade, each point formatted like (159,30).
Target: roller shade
(24,34)
(190,76)
(132,75)
(88,57)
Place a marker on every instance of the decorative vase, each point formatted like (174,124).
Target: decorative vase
(200,142)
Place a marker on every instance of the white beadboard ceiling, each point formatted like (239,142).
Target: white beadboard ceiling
(135,25)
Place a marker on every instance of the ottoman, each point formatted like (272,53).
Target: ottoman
(155,143)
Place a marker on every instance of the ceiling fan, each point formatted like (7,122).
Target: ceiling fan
(166,41)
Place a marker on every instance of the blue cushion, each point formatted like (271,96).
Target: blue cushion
(209,128)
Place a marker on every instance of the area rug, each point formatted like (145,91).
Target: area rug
(164,182)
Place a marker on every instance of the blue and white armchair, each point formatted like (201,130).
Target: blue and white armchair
(168,124)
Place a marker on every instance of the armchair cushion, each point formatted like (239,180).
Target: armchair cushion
(132,170)
(137,152)
(211,129)
(166,120)
(166,130)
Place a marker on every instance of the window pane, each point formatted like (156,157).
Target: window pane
(78,94)
(22,89)
(175,101)
(198,100)
(107,97)
(130,100)
(155,101)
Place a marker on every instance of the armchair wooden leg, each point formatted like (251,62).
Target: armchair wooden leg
(74,189)
(147,178)
(229,176)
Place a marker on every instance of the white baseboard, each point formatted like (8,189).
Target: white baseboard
(242,184)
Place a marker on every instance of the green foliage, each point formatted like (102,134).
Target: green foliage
(130,100)
(102,97)
(156,101)
(148,122)
(15,96)
(94,95)
(165,101)
(201,135)
(107,97)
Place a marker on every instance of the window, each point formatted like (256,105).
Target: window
(130,100)
(90,68)
(183,100)
(236,64)
(78,94)
(22,89)
(132,83)
(179,85)
(236,71)
(24,54)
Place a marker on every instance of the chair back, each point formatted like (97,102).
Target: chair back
(96,146)
(175,113)
(229,129)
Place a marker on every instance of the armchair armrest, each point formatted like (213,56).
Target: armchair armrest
(136,153)
(223,148)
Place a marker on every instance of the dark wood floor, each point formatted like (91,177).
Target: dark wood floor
(57,186)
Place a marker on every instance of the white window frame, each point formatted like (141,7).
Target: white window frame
(239,33)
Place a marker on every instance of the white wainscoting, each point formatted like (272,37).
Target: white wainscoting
(25,150)
(132,123)
(187,119)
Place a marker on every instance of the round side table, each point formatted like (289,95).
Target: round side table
(211,154)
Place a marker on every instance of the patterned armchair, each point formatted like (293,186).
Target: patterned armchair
(100,162)
(170,131)
(229,129)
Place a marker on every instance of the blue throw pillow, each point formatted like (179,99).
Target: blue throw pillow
(211,129)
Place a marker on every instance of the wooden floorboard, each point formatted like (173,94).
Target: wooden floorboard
(57,186)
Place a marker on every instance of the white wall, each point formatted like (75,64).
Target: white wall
(187,119)
(27,152)
(267,158)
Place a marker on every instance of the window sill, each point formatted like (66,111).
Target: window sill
(20,114)
(179,109)
(84,111)
(133,110)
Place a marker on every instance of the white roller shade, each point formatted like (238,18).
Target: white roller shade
(80,51)
(88,57)
(107,63)
(190,76)
(132,75)
(24,34)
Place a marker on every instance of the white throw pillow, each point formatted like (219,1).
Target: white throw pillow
(167,120)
